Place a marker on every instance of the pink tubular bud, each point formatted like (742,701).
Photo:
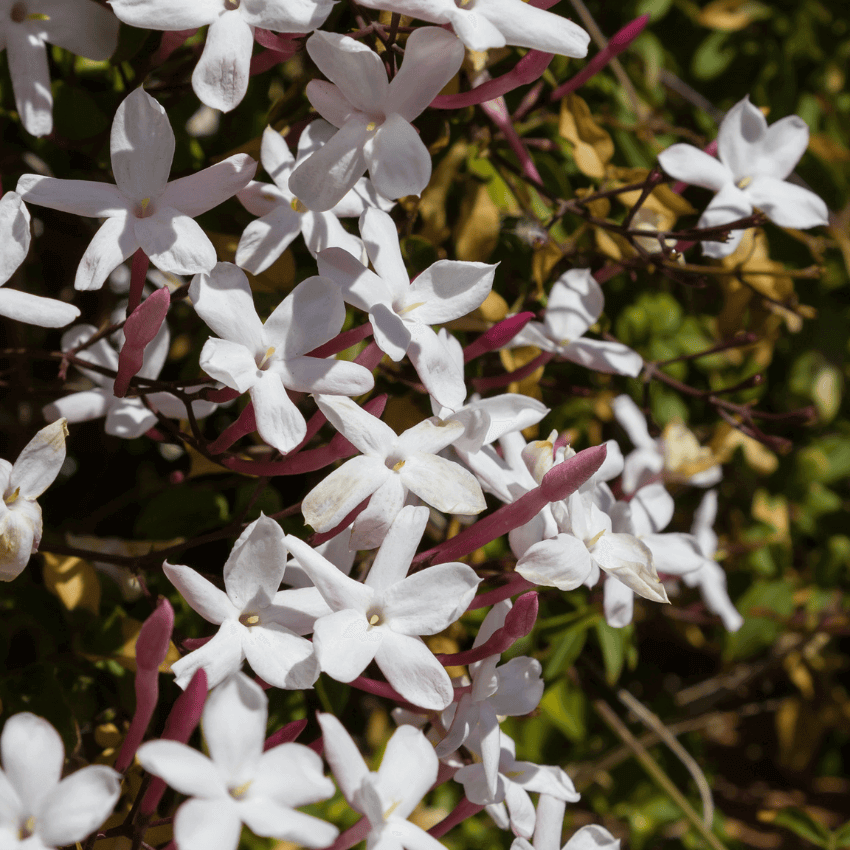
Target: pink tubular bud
(182,721)
(519,622)
(496,381)
(498,336)
(616,45)
(151,649)
(342,341)
(561,480)
(245,424)
(141,327)
(138,275)
(463,810)
(497,112)
(286,735)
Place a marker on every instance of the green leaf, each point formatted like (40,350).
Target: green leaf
(614,643)
(565,705)
(841,836)
(804,825)
(567,648)
(76,115)
(759,632)
(712,57)
(181,512)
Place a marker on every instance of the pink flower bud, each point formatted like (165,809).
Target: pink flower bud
(498,336)
(140,328)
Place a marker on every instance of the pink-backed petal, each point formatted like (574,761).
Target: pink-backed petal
(410,667)
(113,243)
(223,299)
(448,290)
(80,197)
(396,553)
(30,74)
(399,163)
(685,162)
(220,78)
(142,147)
(786,204)
(575,303)
(175,242)
(206,189)
(324,178)
(352,66)
(432,56)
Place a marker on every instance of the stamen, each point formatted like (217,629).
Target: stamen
(375,620)
(744,182)
(38,16)
(297,205)
(594,539)
(410,307)
(14,497)
(249,619)
(27,829)
(241,791)
(391,809)
(398,466)
(266,356)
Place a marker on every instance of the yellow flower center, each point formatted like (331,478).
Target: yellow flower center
(297,205)
(269,352)
(249,619)
(241,791)
(14,497)
(744,182)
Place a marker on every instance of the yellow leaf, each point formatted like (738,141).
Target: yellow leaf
(543,261)
(731,15)
(477,230)
(757,456)
(432,206)
(592,146)
(279,276)
(73,580)
(126,653)
(772,510)
(828,149)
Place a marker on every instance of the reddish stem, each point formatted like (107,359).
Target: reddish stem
(138,275)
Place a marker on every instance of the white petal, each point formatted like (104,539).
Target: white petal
(529,26)
(360,287)
(396,553)
(15,233)
(329,102)
(183,768)
(381,240)
(273,820)
(604,356)
(166,15)
(286,15)
(280,657)
(436,367)
(324,178)
(619,603)
(308,317)
(428,437)
(80,197)
(476,31)
(86,29)
(20,537)
(520,687)
(203,190)
(449,290)
(368,433)
(279,422)
(202,595)
(229,362)
(36,310)
(592,837)
(781,147)
(674,553)
(263,198)
(575,303)
(298,608)
(335,377)
(399,163)
(33,756)
(113,243)
(207,825)
(630,417)
(445,485)
(685,162)
(408,770)
(174,242)
(292,775)
(79,407)
(220,657)
(343,756)
(220,78)
(429,601)
(352,66)
(740,137)
(324,230)
(265,239)
(561,562)
(142,146)
(372,524)
(412,670)
(128,419)
(432,56)
(786,204)
(254,569)
(78,805)
(223,299)
(729,204)
(39,462)
(30,74)
(346,644)
(626,558)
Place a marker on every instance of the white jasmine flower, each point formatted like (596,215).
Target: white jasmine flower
(143,210)
(388,796)
(401,311)
(15,239)
(383,618)
(752,163)
(40,810)
(373,115)
(127,418)
(575,303)
(485,24)
(391,466)
(266,359)
(283,216)
(20,515)
(239,783)
(28,26)
(550,822)
(220,78)
(257,621)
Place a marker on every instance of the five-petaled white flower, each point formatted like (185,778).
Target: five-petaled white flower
(388,796)
(752,163)
(28,26)
(485,24)
(239,783)
(390,466)
(39,809)
(220,78)
(143,210)
(266,359)
(575,303)
(257,621)
(20,485)
(382,619)
(283,216)
(549,824)
(373,115)
(402,312)
(15,239)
